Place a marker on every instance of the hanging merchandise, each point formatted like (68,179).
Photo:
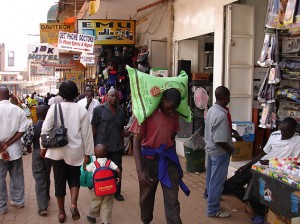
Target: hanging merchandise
(289,13)
(274,75)
(268,118)
(268,52)
(295,27)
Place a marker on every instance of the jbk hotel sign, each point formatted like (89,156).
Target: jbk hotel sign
(42,52)
(108,31)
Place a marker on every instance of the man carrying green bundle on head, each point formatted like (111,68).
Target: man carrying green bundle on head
(156,159)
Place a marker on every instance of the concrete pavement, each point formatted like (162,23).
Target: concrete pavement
(127,212)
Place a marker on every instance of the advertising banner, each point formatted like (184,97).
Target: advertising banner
(75,42)
(49,31)
(42,52)
(109,31)
(75,77)
(87,59)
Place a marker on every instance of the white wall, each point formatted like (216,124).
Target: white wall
(198,17)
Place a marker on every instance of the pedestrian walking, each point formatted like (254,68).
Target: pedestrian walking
(41,167)
(88,102)
(102,205)
(66,161)
(108,128)
(13,126)
(156,158)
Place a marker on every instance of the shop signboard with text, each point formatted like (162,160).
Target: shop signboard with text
(49,31)
(108,32)
(42,52)
(75,77)
(75,42)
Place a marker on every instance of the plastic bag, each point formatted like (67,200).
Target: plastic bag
(86,178)
(268,53)
(272,14)
(196,141)
(147,90)
(289,65)
(268,118)
(288,93)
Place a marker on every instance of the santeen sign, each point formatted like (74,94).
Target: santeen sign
(75,42)
(42,52)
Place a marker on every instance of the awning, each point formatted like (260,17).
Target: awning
(52,14)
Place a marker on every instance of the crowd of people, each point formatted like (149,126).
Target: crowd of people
(98,129)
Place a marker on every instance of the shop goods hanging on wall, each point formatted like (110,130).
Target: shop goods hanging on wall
(280,53)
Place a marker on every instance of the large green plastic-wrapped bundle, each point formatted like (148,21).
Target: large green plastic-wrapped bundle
(147,90)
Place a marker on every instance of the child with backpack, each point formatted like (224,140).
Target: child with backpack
(104,185)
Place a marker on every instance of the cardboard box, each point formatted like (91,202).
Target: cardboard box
(200,76)
(243,151)
(273,218)
(246,129)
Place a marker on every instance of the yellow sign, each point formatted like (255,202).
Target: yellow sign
(49,31)
(108,31)
(75,77)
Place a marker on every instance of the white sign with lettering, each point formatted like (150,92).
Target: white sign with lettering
(42,52)
(290,45)
(75,42)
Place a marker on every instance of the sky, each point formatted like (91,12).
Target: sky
(18,18)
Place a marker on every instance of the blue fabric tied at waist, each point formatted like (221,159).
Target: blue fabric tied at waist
(162,153)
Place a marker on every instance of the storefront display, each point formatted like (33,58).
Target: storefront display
(279,93)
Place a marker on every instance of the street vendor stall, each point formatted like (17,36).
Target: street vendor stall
(277,188)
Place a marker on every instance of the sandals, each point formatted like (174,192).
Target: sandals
(62,217)
(75,213)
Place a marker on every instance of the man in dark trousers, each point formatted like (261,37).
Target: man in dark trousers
(156,159)
(108,128)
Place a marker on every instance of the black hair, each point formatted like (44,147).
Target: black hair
(221,92)
(68,90)
(41,111)
(291,122)
(173,95)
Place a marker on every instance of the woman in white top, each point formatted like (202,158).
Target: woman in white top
(68,159)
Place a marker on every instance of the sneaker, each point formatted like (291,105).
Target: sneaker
(2,212)
(119,197)
(220,214)
(258,220)
(42,212)
(16,205)
(91,219)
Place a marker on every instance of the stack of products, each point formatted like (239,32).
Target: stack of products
(284,169)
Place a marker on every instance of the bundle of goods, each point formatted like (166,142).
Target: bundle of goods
(147,90)
(289,66)
(267,90)
(268,117)
(269,52)
(284,169)
(288,93)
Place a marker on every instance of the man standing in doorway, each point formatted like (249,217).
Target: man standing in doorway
(89,102)
(108,128)
(156,158)
(13,126)
(219,148)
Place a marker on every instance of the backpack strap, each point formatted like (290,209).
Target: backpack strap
(107,163)
(97,164)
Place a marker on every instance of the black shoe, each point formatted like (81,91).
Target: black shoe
(91,219)
(119,197)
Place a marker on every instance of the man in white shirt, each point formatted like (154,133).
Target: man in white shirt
(54,100)
(88,102)
(13,125)
(281,144)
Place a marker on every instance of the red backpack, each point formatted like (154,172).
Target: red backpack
(103,180)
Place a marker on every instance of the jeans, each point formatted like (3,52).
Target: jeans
(17,188)
(41,177)
(216,173)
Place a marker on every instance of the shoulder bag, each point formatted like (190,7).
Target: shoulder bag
(57,136)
